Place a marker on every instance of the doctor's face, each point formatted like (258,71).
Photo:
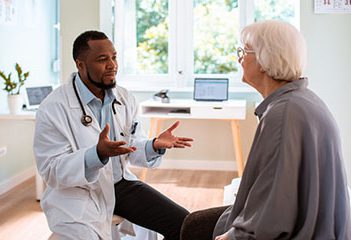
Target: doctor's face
(98,65)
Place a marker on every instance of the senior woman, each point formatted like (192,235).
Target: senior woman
(294,184)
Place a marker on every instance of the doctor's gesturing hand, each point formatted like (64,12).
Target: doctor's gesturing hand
(107,148)
(167,140)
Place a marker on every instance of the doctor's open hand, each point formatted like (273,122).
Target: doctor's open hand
(107,148)
(167,140)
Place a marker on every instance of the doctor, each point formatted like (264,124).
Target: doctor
(85,137)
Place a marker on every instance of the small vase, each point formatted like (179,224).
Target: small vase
(14,103)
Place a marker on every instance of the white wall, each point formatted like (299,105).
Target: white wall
(328,39)
(28,41)
(18,164)
(76,17)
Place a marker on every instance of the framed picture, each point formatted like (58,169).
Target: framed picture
(332,6)
(8,12)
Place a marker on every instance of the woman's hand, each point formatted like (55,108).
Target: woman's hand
(222,237)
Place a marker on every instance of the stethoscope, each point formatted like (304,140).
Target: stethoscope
(86,119)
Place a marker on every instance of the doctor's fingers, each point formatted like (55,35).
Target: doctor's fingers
(174,126)
(180,144)
(105,131)
(122,150)
(185,139)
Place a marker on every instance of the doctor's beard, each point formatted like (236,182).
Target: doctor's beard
(101,83)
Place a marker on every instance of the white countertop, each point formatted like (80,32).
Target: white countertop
(23,115)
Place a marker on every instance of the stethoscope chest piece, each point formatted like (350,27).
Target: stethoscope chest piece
(86,120)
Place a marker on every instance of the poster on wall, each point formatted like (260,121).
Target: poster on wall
(31,13)
(8,12)
(332,6)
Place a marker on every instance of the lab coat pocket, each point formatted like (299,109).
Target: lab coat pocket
(76,200)
(77,208)
(96,209)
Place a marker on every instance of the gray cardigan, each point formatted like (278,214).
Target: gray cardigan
(294,184)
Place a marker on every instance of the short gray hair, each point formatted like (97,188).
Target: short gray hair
(279,47)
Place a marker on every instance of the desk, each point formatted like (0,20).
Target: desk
(23,115)
(232,110)
(17,135)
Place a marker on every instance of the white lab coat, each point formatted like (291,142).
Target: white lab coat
(77,207)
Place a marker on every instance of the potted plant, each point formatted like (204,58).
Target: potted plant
(13,88)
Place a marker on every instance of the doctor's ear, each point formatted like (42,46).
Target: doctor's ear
(80,64)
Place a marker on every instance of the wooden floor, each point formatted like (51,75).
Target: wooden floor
(21,216)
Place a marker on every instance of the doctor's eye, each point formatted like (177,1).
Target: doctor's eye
(102,59)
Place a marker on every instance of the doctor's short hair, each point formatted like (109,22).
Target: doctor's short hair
(80,45)
(279,48)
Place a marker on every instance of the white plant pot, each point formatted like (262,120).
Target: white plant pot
(14,103)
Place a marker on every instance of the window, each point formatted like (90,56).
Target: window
(168,43)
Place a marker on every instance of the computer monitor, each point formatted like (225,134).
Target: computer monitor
(211,89)
(35,95)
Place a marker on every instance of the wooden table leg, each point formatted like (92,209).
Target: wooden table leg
(152,127)
(237,146)
(159,122)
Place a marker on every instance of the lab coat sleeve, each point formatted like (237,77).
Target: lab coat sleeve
(58,162)
(92,162)
(151,154)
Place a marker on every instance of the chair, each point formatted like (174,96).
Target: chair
(116,220)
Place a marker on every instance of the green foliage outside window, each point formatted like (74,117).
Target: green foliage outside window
(215,36)
(216,33)
(152,35)
(274,9)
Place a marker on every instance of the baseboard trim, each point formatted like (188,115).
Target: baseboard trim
(8,184)
(198,165)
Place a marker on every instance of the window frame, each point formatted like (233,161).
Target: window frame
(180,47)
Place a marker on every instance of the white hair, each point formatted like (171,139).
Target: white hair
(279,47)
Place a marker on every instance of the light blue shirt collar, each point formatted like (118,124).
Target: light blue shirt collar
(87,96)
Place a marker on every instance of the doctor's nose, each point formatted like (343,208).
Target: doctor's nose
(112,64)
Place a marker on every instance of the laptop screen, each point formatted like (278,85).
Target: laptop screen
(211,89)
(35,95)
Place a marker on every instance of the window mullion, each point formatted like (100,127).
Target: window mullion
(183,44)
(179,29)
(189,43)
(119,28)
(246,14)
(172,41)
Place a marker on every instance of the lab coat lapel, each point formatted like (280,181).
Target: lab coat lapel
(120,117)
(74,104)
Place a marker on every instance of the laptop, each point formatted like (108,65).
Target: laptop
(211,89)
(35,95)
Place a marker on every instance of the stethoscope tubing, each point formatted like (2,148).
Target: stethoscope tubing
(86,119)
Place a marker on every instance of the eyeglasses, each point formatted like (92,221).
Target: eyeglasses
(241,52)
